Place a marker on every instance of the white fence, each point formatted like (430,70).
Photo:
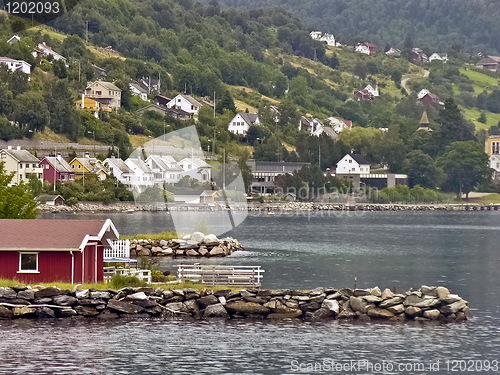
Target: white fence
(221,275)
(143,275)
(119,249)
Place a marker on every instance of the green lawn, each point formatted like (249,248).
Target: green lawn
(486,199)
(481,78)
(472,114)
(481,81)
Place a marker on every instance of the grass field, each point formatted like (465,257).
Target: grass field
(484,199)
(472,114)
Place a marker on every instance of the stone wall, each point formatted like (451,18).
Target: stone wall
(195,245)
(425,304)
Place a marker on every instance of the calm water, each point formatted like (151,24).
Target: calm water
(389,249)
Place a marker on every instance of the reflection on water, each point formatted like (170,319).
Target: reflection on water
(389,249)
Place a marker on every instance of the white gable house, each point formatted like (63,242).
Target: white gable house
(373,90)
(143,175)
(14,65)
(187,103)
(353,164)
(242,122)
(438,56)
(165,168)
(196,168)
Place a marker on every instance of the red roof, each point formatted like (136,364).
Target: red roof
(56,235)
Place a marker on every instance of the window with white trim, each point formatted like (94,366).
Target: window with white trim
(28,262)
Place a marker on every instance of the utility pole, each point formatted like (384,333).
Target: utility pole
(86,32)
(214,104)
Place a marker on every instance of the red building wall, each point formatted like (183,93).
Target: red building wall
(56,266)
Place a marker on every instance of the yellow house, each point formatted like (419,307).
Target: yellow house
(91,105)
(88,166)
(492,145)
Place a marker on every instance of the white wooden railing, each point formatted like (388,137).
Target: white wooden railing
(119,249)
(143,275)
(220,275)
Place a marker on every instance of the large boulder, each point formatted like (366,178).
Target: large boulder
(391,302)
(210,240)
(5,313)
(208,300)
(197,237)
(380,314)
(246,308)
(28,294)
(124,307)
(358,304)
(432,314)
(84,311)
(139,296)
(45,313)
(65,300)
(331,305)
(413,311)
(7,293)
(24,310)
(396,309)
(217,251)
(453,307)
(47,292)
(215,311)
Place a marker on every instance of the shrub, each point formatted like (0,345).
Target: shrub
(118,281)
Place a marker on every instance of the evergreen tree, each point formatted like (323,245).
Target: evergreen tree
(452,128)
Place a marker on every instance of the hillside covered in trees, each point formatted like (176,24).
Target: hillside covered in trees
(255,60)
(439,25)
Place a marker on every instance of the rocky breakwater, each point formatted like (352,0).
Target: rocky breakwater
(425,304)
(191,245)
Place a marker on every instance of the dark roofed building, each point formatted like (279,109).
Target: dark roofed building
(265,172)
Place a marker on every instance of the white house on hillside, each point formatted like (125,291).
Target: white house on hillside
(120,170)
(242,121)
(353,164)
(329,39)
(495,165)
(373,90)
(187,103)
(367,48)
(44,50)
(144,176)
(137,89)
(14,65)
(438,56)
(165,168)
(338,124)
(14,39)
(196,168)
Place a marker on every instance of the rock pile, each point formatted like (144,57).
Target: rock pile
(425,304)
(312,206)
(194,245)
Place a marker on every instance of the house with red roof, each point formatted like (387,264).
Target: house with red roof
(71,251)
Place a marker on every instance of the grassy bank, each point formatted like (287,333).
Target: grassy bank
(69,286)
(153,236)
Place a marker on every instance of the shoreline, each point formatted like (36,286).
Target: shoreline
(427,304)
(131,207)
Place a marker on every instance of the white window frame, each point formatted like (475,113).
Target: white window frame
(28,253)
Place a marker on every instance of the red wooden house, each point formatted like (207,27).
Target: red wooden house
(56,168)
(72,251)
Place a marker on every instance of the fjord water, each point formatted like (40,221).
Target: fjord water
(399,250)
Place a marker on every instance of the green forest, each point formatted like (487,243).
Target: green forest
(433,24)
